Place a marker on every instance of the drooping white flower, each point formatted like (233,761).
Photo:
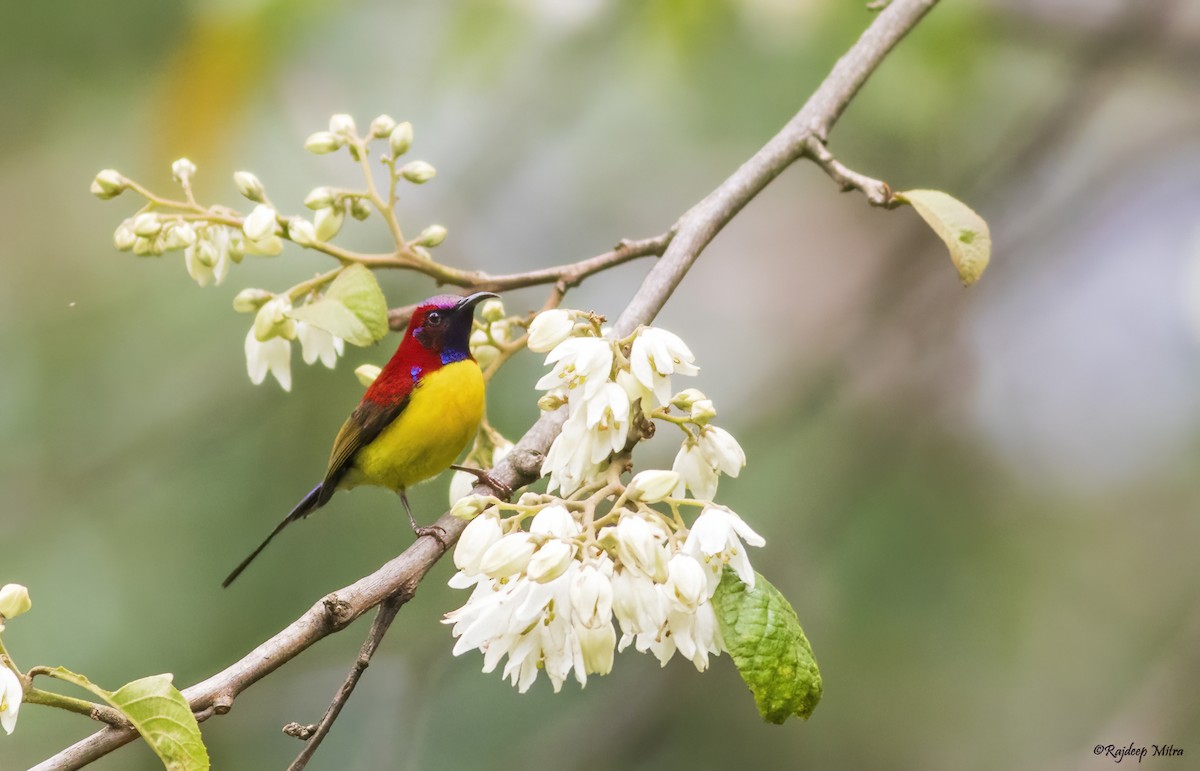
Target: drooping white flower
(579,362)
(695,472)
(638,603)
(686,584)
(592,593)
(207,257)
(607,420)
(722,451)
(715,539)
(316,343)
(655,356)
(11,694)
(549,328)
(274,355)
(569,460)
(640,545)
(598,644)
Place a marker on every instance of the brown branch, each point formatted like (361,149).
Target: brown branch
(694,230)
(315,734)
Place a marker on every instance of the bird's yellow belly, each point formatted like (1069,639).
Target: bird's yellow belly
(442,415)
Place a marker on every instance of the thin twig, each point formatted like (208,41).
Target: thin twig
(314,735)
(694,230)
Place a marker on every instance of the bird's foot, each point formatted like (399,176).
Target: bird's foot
(434,532)
(503,491)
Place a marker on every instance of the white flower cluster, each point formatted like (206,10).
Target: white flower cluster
(603,565)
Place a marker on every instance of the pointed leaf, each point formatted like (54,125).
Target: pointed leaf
(356,288)
(965,233)
(335,318)
(159,713)
(768,646)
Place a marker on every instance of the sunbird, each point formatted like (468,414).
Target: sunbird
(413,421)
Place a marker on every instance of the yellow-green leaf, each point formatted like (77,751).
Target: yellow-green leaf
(159,713)
(768,647)
(335,318)
(356,288)
(965,233)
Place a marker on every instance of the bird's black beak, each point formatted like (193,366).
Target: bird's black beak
(471,300)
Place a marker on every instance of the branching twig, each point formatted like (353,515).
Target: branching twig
(315,734)
(694,230)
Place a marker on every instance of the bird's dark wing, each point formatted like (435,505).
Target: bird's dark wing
(360,429)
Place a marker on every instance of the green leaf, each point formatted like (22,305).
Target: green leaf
(356,288)
(965,233)
(159,713)
(768,646)
(335,318)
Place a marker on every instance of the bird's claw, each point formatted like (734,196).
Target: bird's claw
(503,491)
(435,532)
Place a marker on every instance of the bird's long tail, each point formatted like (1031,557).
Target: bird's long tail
(306,506)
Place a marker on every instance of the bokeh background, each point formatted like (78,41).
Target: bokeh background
(982,503)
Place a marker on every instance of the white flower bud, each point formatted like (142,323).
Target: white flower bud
(143,247)
(319,198)
(108,184)
(342,125)
(476,540)
(359,209)
(14,600)
(431,236)
(551,401)
(508,556)
(652,486)
(260,223)
(322,142)
(250,300)
(418,172)
(492,310)
(367,373)
(469,506)
(272,320)
(124,236)
(249,186)
(685,398)
(703,411)
(485,354)
(549,328)
(178,235)
(550,561)
(328,222)
(182,170)
(555,521)
(401,139)
(147,224)
(383,126)
(301,231)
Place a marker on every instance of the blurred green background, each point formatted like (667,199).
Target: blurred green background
(982,502)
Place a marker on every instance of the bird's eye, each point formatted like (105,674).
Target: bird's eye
(433,319)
